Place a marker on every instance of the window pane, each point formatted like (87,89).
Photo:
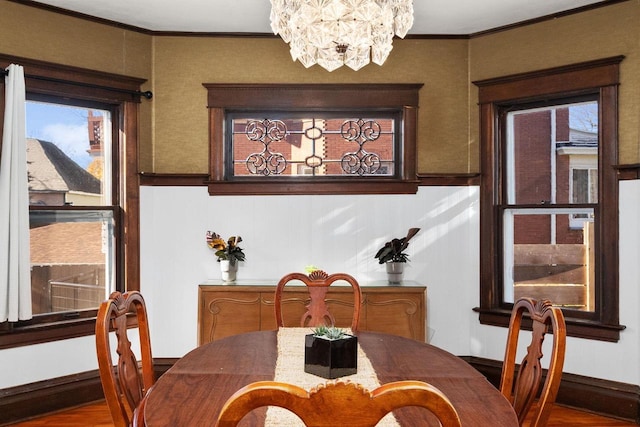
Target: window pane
(593,185)
(313,146)
(580,188)
(552,155)
(72,257)
(69,151)
(68,155)
(545,258)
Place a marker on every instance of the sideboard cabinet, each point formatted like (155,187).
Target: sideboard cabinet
(225,310)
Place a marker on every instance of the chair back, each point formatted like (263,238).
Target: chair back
(523,387)
(318,283)
(338,403)
(124,383)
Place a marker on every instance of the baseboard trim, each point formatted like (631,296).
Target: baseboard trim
(604,397)
(609,398)
(43,397)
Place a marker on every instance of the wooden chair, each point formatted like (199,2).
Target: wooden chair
(338,403)
(522,388)
(138,413)
(124,383)
(318,283)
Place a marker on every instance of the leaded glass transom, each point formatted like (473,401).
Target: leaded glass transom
(312,146)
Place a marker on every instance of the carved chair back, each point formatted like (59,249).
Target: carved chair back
(522,387)
(124,383)
(338,403)
(318,283)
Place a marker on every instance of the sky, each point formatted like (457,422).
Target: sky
(584,117)
(63,125)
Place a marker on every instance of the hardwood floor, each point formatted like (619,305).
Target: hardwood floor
(562,416)
(97,415)
(92,415)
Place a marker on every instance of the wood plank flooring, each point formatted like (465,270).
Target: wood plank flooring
(97,415)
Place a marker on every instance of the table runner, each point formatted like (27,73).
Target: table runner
(290,369)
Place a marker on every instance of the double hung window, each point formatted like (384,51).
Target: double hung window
(81,163)
(547,220)
(72,217)
(549,195)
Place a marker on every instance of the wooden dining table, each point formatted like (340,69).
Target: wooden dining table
(193,390)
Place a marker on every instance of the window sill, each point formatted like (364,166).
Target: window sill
(18,336)
(299,187)
(578,328)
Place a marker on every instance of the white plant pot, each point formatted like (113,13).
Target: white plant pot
(228,270)
(395,271)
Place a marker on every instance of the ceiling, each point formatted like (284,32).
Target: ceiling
(431,17)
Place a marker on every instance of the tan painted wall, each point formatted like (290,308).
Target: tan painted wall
(599,33)
(174,129)
(182,64)
(38,34)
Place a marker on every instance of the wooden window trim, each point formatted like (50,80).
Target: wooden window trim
(601,77)
(49,79)
(312,97)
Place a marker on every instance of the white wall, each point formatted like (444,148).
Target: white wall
(28,364)
(282,234)
(598,359)
(337,233)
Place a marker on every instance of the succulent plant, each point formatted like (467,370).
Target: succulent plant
(330,332)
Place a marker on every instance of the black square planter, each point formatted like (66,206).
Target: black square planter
(330,358)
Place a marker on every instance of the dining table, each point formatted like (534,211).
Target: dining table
(193,391)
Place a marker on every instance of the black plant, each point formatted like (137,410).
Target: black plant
(393,251)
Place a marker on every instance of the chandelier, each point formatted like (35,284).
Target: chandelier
(332,33)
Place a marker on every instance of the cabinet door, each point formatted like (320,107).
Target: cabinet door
(398,313)
(228,313)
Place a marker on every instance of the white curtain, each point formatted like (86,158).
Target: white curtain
(15,270)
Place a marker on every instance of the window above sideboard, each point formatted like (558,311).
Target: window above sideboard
(312,138)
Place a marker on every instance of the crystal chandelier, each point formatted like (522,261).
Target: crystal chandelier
(332,33)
